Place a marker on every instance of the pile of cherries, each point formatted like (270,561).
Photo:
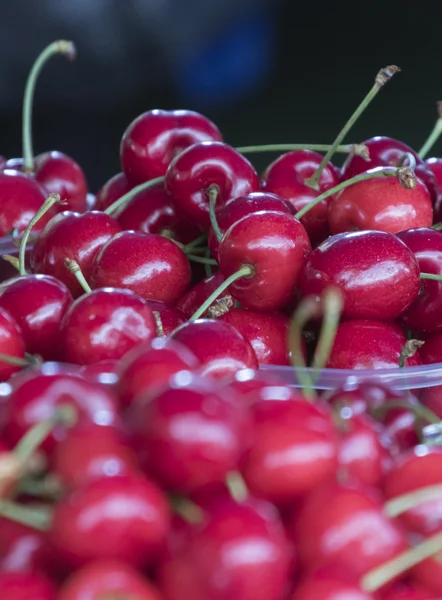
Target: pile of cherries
(144,454)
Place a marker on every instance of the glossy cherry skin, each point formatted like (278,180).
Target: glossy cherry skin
(107,579)
(267,333)
(116,187)
(20,199)
(341,523)
(435,166)
(150,265)
(405,591)
(376,272)
(211,565)
(431,351)
(198,294)
(293,449)
(38,304)
(220,349)
(382,204)
(169,316)
(74,236)
(239,207)
(191,174)
(155,137)
(425,314)
(286,176)
(124,517)
(174,433)
(428,576)
(103,324)
(11,343)
(329,583)
(153,211)
(36,395)
(275,245)
(22,549)
(368,345)
(26,586)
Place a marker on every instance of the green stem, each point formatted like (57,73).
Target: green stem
(419,410)
(382,77)
(379,576)
(396,506)
(59,47)
(245,271)
(74,268)
(437,226)
(37,518)
(186,509)
(16,361)
(196,243)
(126,198)
(213,196)
(431,276)
(47,205)
(333,304)
(12,260)
(204,260)
(358,149)
(434,135)
(237,487)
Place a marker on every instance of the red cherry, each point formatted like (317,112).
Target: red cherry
(38,304)
(22,549)
(150,265)
(424,315)
(154,138)
(194,171)
(149,367)
(405,591)
(20,199)
(190,434)
(170,317)
(26,586)
(211,565)
(435,166)
(286,176)
(116,187)
(330,586)
(368,345)
(377,274)
(11,344)
(107,579)
(73,236)
(218,346)
(103,324)
(124,517)
(199,293)
(382,204)
(36,395)
(428,574)
(275,246)
(267,333)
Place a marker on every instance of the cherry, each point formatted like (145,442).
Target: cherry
(167,316)
(203,167)
(220,349)
(73,236)
(274,245)
(20,198)
(341,523)
(174,433)
(107,579)
(330,586)
(149,367)
(424,315)
(155,137)
(38,304)
(103,324)
(200,292)
(286,177)
(267,333)
(435,166)
(428,574)
(12,345)
(150,265)
(405,591)
(368,345)
(211,564)
(124,517)
(37,393)
(22,549)
(115,188)
(26,586)
(378,274)
(380,203)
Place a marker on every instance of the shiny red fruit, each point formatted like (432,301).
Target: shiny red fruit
(167,316)
(11,344)
(435,166)
(22,548)
(26,586)
(116,187)
(198,294)
(330,586)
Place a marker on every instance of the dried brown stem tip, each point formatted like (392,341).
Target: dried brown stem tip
(361,150)
(386,74)
(411,347)
(406,177)
(222,306)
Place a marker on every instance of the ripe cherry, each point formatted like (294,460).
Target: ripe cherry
(103,324)
(200,168)
(26,586)
(22,549)
(330,583)
(12,344)
(378,274)
(116,187)
(200,292)
(435,166)
(150,265)
(167,316)
(154,138)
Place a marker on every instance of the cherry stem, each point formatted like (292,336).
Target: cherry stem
(358,149)
(431,276)
(434,135)
(47,205)
(204,260)
(186,509)
(379,576)
(16,361)
(47,488)
(38,518)
(333,303)
(126,198)
(158,323)
(213,193)
(382,77)
(245,271)
(237,487)
(74,268)
(405,502)
(418,409)
(59,47)
(196,243)
(409,349)
(437,226)
(12,260)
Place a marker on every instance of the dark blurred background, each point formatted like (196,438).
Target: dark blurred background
(264,70)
